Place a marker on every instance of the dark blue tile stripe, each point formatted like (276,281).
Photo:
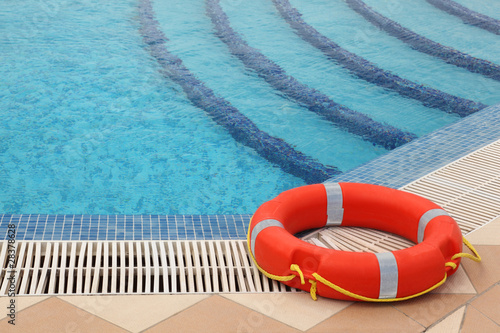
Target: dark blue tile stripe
(368,71)
(356,123)
(223,113)
(425,45)
(430,152)
(468,16)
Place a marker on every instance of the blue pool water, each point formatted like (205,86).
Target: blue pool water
(91,126)
(353,32)
(426,20)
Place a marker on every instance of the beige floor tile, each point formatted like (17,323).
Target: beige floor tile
(430,308)
(458,283)
(476,322)
(368,317)
(219,315)
(487,272)
(134,312)
(449,324)
(55,315)
(489,304)
(20,303)
(295,309)
(486,235)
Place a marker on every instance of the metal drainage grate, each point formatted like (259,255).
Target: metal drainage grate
(174,267)
(357,240)
(468,189)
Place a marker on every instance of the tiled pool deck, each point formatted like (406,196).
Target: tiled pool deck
(468,302)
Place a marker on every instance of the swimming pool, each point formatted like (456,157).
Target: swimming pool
(96,121)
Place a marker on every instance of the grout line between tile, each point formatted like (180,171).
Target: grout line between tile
(423,326)
(26,308)
(178,312)
(479,295)
(333,315)
(491,319)
(275,319)
(485,291)
(463,317)
(468,277)
(447,315)
(91,314)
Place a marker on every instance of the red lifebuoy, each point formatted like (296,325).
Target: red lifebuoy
(346,275)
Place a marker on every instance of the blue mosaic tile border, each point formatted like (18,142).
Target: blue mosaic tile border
(430,152)
(124,227)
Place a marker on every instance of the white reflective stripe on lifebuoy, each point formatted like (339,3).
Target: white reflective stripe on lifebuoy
(425,219)
(334,208)
(388,275)
(261,226)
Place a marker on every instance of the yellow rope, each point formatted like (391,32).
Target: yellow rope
(313,289)
(295,268)
(369,299)
(476,257)
(451,264)
(327,283)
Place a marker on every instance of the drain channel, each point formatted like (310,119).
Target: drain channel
(468,189)
(91,268)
